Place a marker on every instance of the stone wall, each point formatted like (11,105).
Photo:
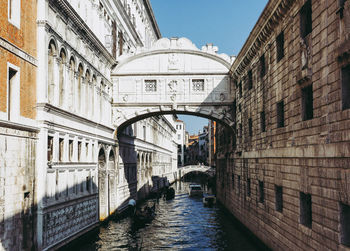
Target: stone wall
(285,173)
(17,183)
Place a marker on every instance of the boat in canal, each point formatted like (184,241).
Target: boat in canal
(209,200)
(145,214)
(195,190)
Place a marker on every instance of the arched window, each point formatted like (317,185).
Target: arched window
(79,89)
(101,112)
(86,92)
(61,82)
(92,96)
(71,83)
(51,70)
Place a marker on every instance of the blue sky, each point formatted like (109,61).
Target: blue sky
(225,23)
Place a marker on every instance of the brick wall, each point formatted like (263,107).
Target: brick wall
(305,156)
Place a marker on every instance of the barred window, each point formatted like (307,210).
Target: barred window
(198,84)
(150,85)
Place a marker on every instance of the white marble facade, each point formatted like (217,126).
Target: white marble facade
(78,178)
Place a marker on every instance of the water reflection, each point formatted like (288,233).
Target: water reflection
(180,224)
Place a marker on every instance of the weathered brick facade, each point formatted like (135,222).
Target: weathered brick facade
(17,125)
(286,172)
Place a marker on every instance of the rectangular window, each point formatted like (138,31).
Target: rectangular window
(239,183)
(307,103)
(178,136)
(250,79)
(240,89)
(14,12)
(345,224)
(144,132)
(49,148)
(250,125)
(280,46)
(261,192)
(345,87)
(240,130)
(262,66)
(280,114)
(88,181)
(279,198)
(79,151)
(306,19)
(198,85)
(233,181)
(248,187)
(305,209)
(61,149)
(150,85)
(13,93)
(70,145)
(262,121)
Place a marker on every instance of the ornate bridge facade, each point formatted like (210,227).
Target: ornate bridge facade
(174,76)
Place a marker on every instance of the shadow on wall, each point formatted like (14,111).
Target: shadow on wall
(137,166)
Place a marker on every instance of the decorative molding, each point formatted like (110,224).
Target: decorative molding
(17,51)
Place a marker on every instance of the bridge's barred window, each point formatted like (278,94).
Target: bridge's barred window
(346,87)
(262,121)
(307,103)
(306,19)
(261,192)
(279,198)
(305,209)
(248,187)
(198,85)
(49,148)
(280,46)
(150,85)
(345,224)
(280,114)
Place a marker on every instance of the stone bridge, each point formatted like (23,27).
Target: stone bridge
(182,171)
(173,76)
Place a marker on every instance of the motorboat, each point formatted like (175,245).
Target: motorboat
(209,200)
(195,190)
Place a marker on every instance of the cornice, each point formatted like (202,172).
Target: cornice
(63,113)
(170,51)
(127,20)
(153,19)
(64,7)
(271,16)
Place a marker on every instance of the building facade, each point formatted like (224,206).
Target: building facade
(180,140)
(147,157)
(285,172)
(79,182)
(18,63)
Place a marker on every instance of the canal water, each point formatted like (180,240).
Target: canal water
(183,223)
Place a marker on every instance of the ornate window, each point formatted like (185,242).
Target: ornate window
(150,85)
(198,85)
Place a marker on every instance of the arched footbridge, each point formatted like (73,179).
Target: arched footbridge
(173,76)
(182,171)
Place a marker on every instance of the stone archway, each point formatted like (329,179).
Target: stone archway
(173,76)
